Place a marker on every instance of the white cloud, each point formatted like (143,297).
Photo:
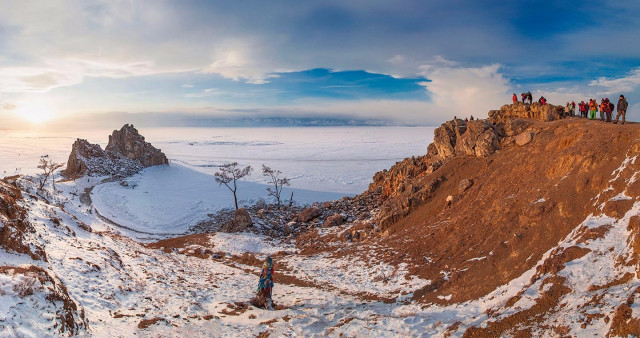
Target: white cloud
(625,84)
(466,91)
(236,63)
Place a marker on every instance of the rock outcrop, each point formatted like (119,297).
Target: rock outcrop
(537,111)
(126,154)
(129,143)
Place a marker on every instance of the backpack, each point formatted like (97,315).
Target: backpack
(611,106)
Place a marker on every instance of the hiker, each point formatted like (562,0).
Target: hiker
(542,100)
(471,118)
(515,98)
(622,109)
(611,107)
(466,119)
(607,109)
(593,109)
(573,108)
(603,105)
(265,285)
(583,109)
(529,97)
(567,110)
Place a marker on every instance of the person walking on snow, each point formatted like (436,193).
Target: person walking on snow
(265,285)
(622,109)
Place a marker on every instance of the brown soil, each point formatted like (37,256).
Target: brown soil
(145,323)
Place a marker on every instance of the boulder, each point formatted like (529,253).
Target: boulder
(333,220)
(464,185)
(308,214)
(242,218)
(515,126)
(524,138)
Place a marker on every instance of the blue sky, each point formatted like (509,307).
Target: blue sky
(405,62)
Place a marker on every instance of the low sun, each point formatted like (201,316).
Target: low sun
(35,112)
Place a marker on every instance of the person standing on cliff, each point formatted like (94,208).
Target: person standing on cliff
(603,106)
(573,108)
(515,98)
(593,109)
(622,109)
(530,97)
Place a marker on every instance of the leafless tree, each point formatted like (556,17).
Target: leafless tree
(48,168)
(229,174)
(276,181)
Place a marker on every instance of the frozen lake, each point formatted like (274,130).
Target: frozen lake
(331,159)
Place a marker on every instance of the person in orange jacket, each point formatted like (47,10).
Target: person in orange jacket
(593,109)
(515,98)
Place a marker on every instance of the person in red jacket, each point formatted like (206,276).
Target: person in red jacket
(515,98)
(542,100)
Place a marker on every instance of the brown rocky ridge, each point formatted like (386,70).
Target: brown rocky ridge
(126,153)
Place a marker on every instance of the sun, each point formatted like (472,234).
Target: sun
(35,112)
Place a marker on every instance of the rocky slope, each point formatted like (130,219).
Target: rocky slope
(126,153)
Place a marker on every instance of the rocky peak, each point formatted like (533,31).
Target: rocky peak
(126,154)
(128,142)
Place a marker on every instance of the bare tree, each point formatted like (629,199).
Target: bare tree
(276,181)
(229,174)
(48,168)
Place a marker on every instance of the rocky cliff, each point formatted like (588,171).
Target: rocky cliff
(130,144)
(126,153)
(524,198)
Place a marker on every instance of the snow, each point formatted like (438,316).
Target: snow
(330,159)
(169,199)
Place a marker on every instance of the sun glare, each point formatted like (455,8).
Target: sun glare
(35,112)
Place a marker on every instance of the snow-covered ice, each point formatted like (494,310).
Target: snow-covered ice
(332,159)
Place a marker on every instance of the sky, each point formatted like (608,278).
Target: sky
(363,62)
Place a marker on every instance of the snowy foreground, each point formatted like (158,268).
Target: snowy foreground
(126,288)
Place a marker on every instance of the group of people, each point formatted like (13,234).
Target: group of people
(605,107)
(525,97)
(528,97)
(587,110)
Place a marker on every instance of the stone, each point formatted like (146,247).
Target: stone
(333,220)
(308,214)
(464,185)
(515,126)
(242,218)
(524,138)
